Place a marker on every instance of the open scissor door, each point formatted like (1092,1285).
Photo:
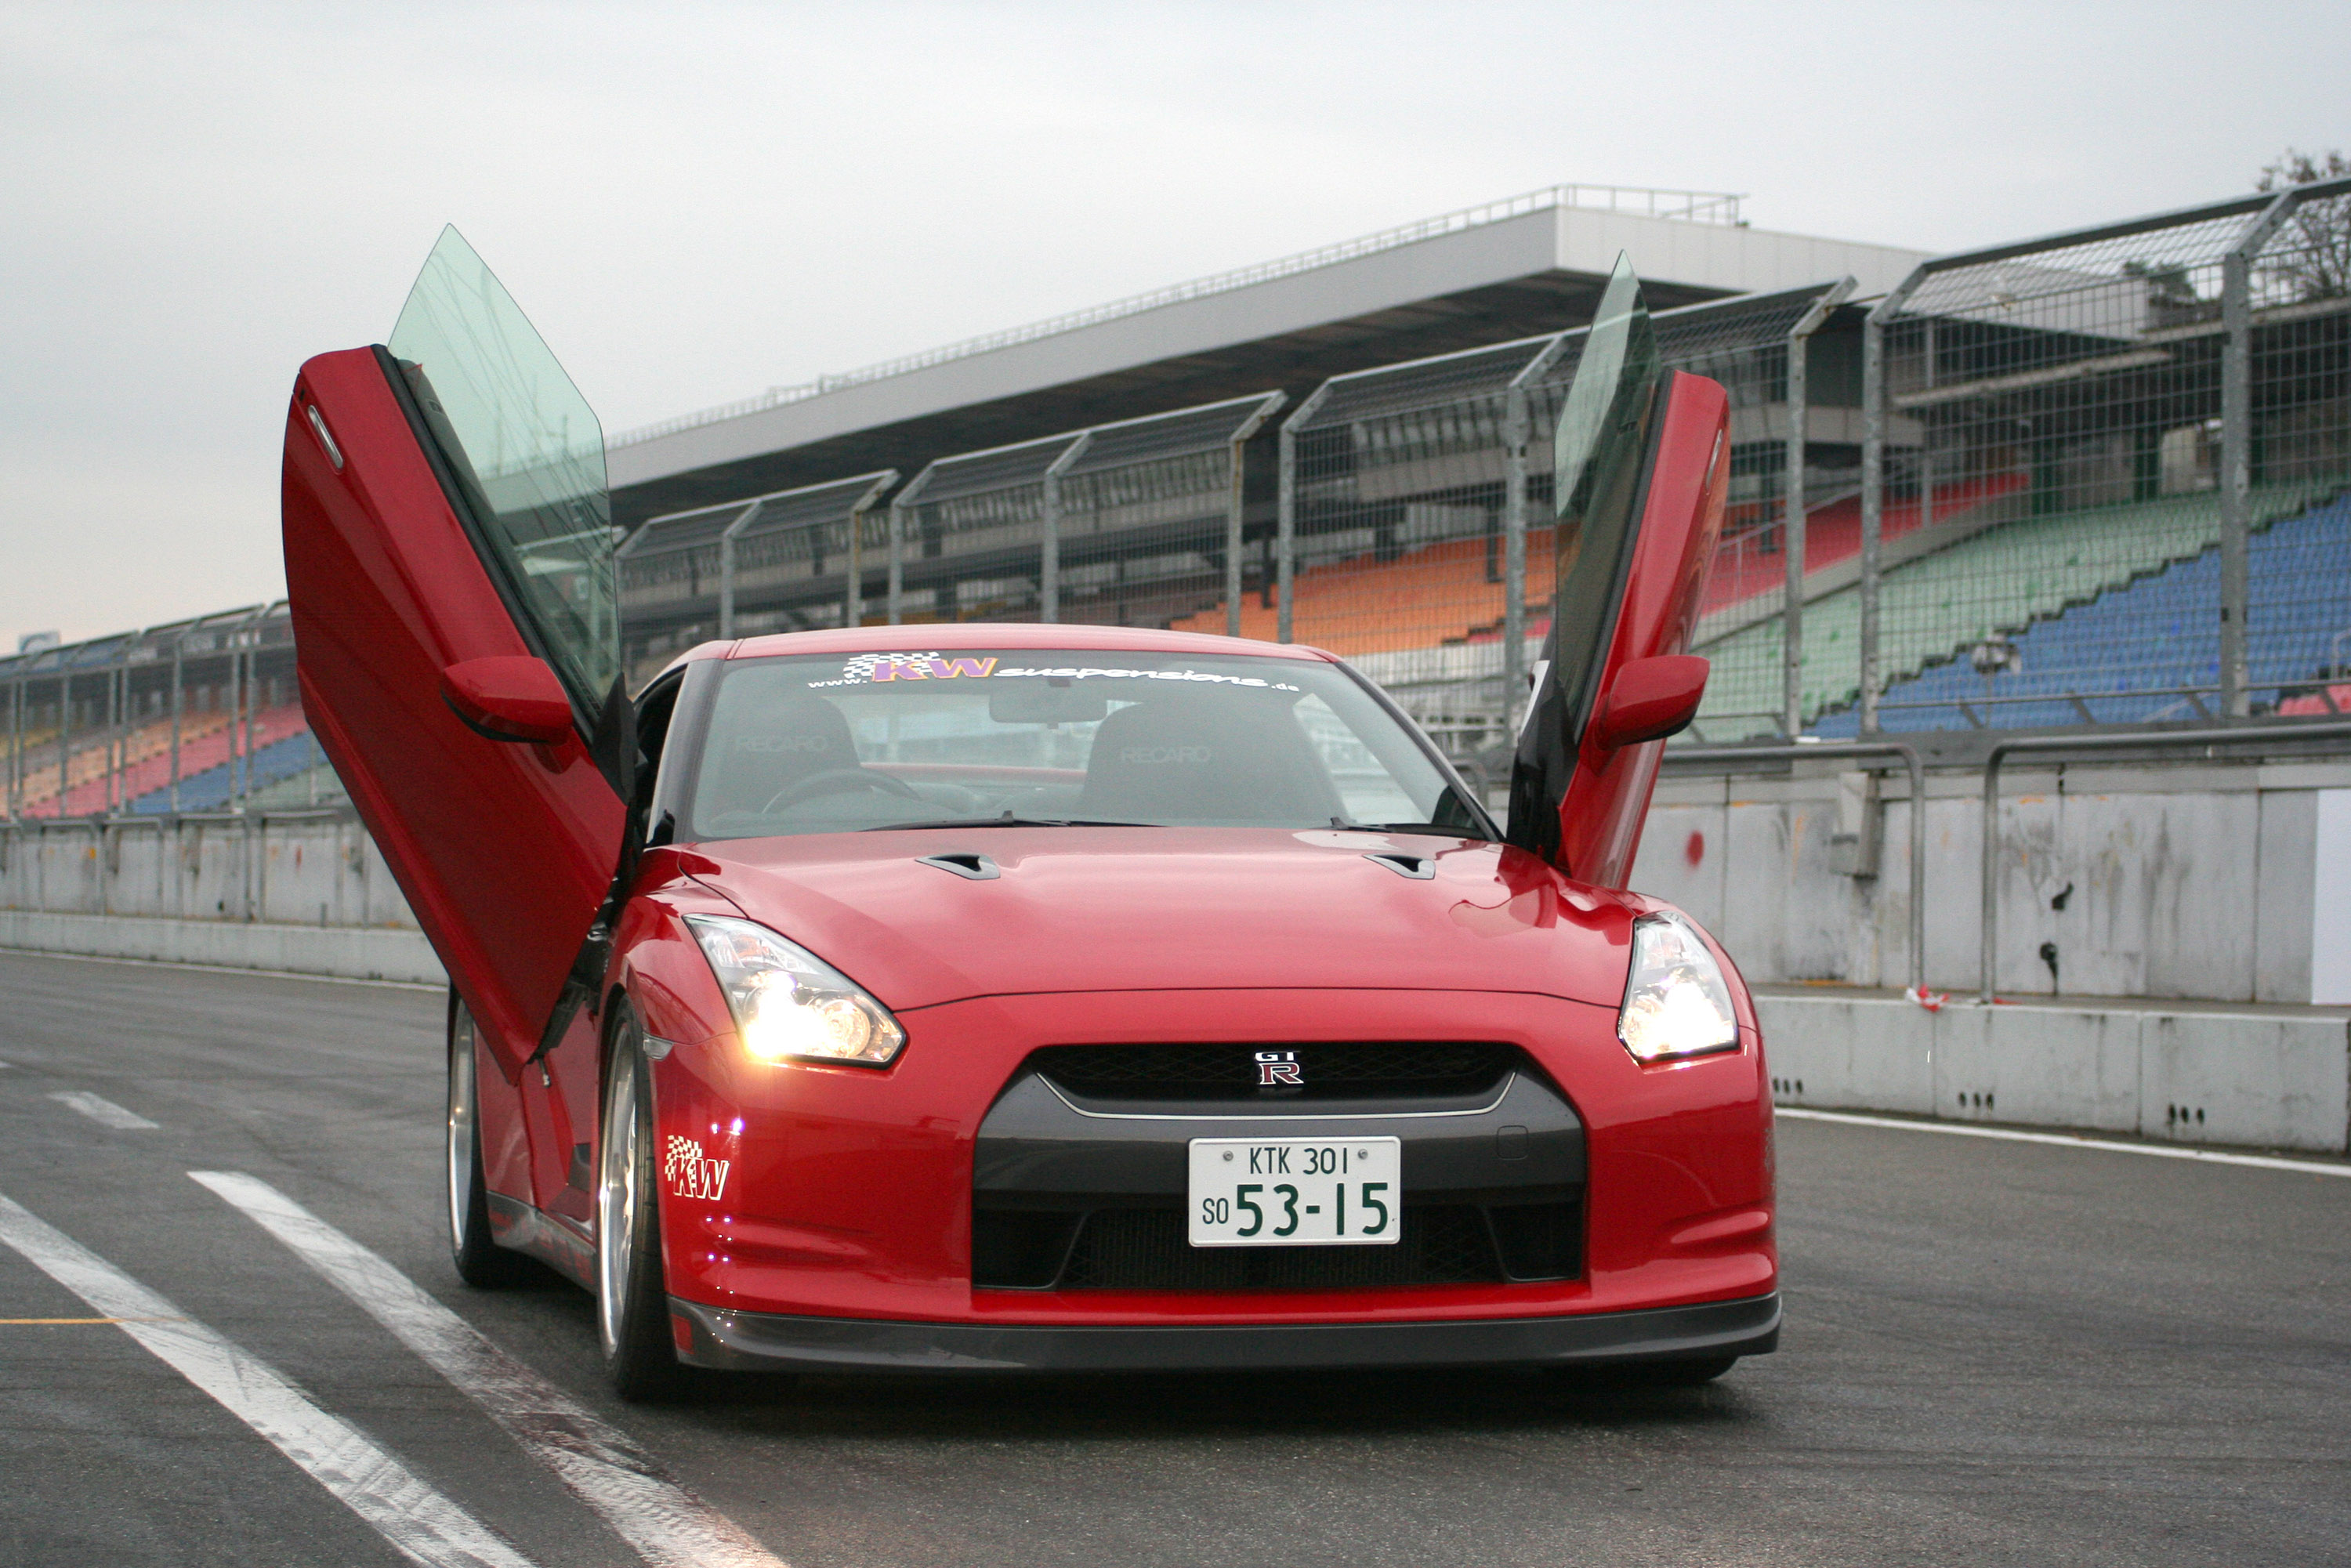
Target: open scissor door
(449,563)
(1640,466)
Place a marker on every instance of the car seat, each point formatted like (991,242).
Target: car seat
(774,747)
(1189,759)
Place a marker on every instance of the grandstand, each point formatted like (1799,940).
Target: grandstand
(2049,423)
(199,716)
(2101,478)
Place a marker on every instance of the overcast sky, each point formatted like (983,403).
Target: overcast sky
(696,201)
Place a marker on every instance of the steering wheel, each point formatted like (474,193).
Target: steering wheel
(837,781)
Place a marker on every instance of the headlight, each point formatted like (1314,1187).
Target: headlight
(788,1002)
(1676,1003)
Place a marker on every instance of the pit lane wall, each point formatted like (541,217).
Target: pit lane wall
(301,892)
(2231,862)
(2267,1077)
(2209,882)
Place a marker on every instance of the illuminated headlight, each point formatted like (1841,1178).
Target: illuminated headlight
(788,1002)
(1676,1003)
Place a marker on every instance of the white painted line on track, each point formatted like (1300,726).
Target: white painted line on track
(668,1525)
(104,1112)
(2066,1140)
(421,1524)
(224,970)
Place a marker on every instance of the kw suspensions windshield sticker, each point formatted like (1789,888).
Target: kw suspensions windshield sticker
(869,669)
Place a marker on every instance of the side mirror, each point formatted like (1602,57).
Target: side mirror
(517,699)
(1649,700)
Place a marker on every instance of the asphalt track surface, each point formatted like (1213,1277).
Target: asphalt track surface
(1995,1353)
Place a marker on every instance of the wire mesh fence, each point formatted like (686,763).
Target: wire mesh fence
(792,561)
(2109,478)
(2298,375)
(1394,484)
(1418,498)
(2099,478)
(2092,479)
(199,716)
(967,535)
(1151,526)
(1748,344)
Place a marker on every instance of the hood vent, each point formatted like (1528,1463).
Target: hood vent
(1402,865)
(970,867)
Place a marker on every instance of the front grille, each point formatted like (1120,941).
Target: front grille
(1329,1069)
(1145,1249)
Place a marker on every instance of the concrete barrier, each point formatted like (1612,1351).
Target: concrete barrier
(2268,1077)
(357,953)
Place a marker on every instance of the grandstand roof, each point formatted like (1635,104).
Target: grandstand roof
(1533,265)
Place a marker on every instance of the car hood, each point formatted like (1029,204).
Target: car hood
(1131,909)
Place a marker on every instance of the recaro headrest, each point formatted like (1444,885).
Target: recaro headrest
(778,745)
(1185,758)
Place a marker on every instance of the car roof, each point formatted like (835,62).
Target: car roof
(942,637)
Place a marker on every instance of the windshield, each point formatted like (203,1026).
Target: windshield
(825,745)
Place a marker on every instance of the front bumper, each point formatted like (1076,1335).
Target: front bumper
(761,1342)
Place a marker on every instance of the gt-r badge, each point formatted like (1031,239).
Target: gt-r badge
(1278,1068)
(692,1177)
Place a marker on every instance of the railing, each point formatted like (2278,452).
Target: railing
(2207,740)
(1697,756)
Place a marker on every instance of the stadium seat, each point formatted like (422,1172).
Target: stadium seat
(2121,653)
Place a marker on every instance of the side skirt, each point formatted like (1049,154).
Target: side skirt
(561,1244)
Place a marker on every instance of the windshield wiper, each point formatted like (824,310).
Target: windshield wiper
(1005,820)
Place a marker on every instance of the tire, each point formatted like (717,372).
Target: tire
(631,1296)
(480,1260)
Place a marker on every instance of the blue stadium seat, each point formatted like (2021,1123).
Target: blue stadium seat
(2124,653)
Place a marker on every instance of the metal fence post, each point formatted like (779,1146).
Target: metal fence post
(2237,446)
(897,545)
(1792,530)
(1873,481)
(178,670)
(17,752)
(726,581)
(1285,529)
(854,609)
(1236,529)
(1872,504)
(901,505)
(1515,435)
(235,713)
(726,536)
(1236,505)
(65,732)
(1048,541)
(118,739)
(1285,536)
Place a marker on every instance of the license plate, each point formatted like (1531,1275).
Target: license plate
(1296,1192)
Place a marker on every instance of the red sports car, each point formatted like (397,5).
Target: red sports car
(1032,996)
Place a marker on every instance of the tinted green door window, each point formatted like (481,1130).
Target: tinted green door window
(527,457)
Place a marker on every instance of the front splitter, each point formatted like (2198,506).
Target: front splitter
(764,1341)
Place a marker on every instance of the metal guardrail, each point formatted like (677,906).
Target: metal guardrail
(2170,740)
(1835,749)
